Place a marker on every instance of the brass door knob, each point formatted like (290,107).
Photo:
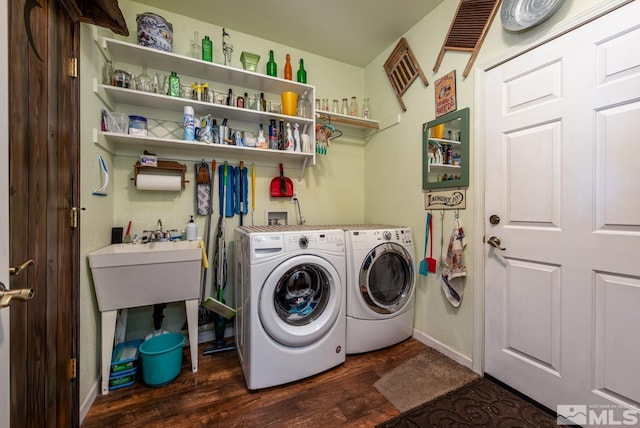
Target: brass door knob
(494,241)
(6,296)
(13,270)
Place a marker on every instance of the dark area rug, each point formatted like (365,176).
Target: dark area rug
(481,403)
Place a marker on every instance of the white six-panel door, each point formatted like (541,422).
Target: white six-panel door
(562,300)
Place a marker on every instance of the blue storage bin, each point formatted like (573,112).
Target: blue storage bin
(122,379)
(125,357)
(161,358)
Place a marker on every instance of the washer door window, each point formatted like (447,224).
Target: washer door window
(387,278)
(300,300)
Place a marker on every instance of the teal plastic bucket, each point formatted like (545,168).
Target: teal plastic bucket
(161,358)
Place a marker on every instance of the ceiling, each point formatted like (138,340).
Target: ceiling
(350,31)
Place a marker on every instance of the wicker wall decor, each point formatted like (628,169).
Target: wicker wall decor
(468,29)
(402,69)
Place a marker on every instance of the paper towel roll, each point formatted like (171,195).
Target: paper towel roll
(171,183)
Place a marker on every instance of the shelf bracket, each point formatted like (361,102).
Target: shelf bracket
(302,168)
(101,95)
(102,142)
(101,43)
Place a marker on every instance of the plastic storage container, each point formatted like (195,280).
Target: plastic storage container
(116,122)
(123,379)
(138,126)
(161,358)
(125,357)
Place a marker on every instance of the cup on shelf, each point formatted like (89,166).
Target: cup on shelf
(289,103)
(437,131)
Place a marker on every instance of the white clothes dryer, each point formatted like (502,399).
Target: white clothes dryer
(290,301)
(381,278)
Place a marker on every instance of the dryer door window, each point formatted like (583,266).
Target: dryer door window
(387,278)
(301,300)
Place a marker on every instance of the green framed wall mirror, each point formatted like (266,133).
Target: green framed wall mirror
(445,151)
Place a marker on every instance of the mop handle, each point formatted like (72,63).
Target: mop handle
(253,187)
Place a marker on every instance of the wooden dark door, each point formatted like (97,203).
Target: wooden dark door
(43,191)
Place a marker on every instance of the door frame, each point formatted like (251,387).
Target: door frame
(480,164)
(5,316)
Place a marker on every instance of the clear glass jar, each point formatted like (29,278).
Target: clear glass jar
(344,109)
(366,114)
(334,107)
(304,106)
(325,104)
(353,107)
(144,82)
(107,73)
(318,104)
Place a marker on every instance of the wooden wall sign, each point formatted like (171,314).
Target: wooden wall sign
(446,94)
(402,69)
(468,29)
(446,200)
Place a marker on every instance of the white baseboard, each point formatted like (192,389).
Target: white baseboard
(443,349)
(88,400)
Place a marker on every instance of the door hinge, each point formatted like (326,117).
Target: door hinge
(71,368)
(73,67)
(74,217)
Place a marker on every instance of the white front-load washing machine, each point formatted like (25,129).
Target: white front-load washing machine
(290,301)
(381,278)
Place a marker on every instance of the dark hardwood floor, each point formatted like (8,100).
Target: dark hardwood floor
(217,396)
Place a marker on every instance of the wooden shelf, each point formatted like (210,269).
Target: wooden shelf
(349,121)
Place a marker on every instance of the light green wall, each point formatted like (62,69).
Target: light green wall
(378,181)
(393,186)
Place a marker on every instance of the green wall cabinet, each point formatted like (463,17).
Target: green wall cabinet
(445,151)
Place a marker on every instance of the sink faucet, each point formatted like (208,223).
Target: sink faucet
(155,235)
(159,234)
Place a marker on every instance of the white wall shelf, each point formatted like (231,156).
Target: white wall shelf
(132,145)
(127,54)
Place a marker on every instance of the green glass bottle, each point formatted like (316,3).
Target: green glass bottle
(174,85)
(302,73)
(207,49)
(272,68)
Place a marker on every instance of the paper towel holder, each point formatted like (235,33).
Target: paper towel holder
(162,165)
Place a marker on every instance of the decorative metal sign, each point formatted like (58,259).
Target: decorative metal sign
(446,200)
(446,94)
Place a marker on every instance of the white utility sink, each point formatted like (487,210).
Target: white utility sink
(130,275)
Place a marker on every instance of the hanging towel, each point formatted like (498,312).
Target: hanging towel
(229,203)
(455,270)
(241,190)
(203,191)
